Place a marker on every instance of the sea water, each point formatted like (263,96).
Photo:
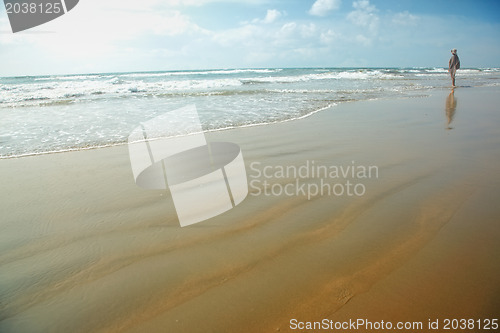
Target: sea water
(43,114)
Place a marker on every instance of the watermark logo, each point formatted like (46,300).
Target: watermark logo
(26,14)
(311,179)
(205,179)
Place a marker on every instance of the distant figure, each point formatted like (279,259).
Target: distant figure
(453,65)
(451,106)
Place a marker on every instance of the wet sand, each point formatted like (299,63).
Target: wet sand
(83,249)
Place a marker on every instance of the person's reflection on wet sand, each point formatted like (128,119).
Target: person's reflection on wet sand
(451,106)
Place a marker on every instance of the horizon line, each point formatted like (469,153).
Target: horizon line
(237,68)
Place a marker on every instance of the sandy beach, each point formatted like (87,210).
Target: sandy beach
(84,249)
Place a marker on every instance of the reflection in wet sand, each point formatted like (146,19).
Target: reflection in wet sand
(451,106)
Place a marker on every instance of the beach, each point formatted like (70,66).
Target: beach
(84,249)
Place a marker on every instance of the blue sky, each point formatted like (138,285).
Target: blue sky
(149,35)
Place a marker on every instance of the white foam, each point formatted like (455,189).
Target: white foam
(469,71)
(350,75)
(437,70)
(99,110)
(207,72)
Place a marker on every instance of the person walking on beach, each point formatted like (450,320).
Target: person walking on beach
(453,65)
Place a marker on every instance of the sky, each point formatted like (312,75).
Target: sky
(101,36)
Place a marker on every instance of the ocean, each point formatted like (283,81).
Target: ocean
(44,114)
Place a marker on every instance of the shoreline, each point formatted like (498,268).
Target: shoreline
(118,144)
(205,131)
(21,144)
(85,249)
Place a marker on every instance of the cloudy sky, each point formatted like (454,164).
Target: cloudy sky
(151,35)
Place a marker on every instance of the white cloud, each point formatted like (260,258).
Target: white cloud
(107,27)
(288,28)
(308,30)
(363,5)
(238,36)
(98,36)
(364,15)
(363,40)
(6,37)
(323,7)
(198,3)
(404,18)
(126,20)
(271,16)
(283,42)
(328,37)
(172,24)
